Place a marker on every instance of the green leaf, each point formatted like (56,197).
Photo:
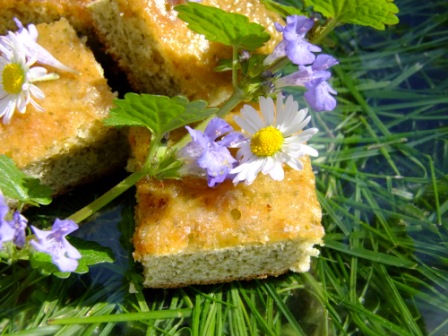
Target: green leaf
(375,14)
(216,25)
(160,114)
(17,185)
(91,254)
(282,10)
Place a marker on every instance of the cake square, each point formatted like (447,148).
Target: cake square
(66,144)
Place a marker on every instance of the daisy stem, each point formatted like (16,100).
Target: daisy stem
(106,198)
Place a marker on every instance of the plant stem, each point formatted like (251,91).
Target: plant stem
(106,198)
(228,106)
(235,64)
(231,103)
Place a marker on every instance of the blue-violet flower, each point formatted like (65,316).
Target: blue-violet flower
(207,154)
(314,78)
(14,229)
(53,242)
(294,45)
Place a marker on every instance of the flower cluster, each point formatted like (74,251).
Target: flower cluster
(267,142)
(207,156)
(313,70)
(19,53)
(13,229)
(276,137)
(52,242)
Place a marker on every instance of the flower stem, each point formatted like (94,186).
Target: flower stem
(231,103)
(228,106)
(235,65)
(106,198)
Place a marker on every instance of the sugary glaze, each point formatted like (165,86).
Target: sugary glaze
(187,216)
(37,11)
(74,104)
(162,55)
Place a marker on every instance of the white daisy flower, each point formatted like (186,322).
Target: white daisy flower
(275,137)
(16,78)
(28,38)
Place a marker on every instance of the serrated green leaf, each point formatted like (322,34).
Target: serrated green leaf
(17,185)
(375,14)
(91,254)
(216,25)
(282,10)
(160,114)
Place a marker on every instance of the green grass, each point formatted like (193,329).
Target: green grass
(382,180)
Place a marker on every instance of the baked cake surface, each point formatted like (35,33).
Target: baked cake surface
(67,143)
(162,55)
(39,11)
(187,233)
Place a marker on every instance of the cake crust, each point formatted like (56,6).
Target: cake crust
(161,55)
(67,143)
(188,233)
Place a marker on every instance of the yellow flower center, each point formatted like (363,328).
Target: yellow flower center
(13,78)
(266,142)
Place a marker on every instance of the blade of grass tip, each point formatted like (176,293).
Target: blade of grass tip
(255,311)
(196,315)
(431,300)
(329,209)
(355,243)
(206,315)
(161,314)
(437,276)
(348,83)
(220,321)
(99,309)
(374,317)
(186,298)
(398,300)
(366,192)
(106,331)
(237,318)
(211,322)
(318,291)
(371,255)
(440,330)
(382,146)
(58,289)
(253,319)
(284,309)
(436,192)
(175,303)
(39,331)
(406,74)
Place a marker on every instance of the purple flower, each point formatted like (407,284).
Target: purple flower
(206,156)
(294,44)
(314,78)
(13,229)
(53,242)
(319,97)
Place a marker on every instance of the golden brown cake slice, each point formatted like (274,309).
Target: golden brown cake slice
(161,55)
(67,143)
(38,11)
(187,233)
